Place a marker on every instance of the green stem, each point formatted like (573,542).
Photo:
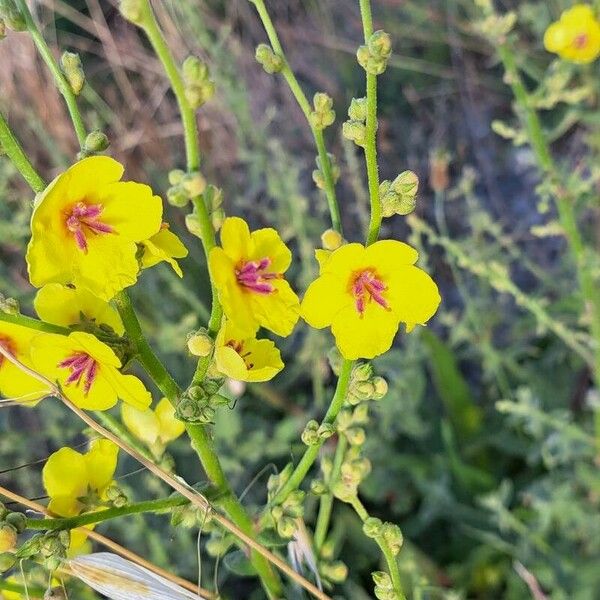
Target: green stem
(326,502)
(311,453)
(390,559)
(201,441)
(14,151)
(371,134)
(192,149)
(31,323)
(17,588)
(304,104)
(149,506)
(61,81)
(564,203)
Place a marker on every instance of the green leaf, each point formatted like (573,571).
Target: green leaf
(239,564)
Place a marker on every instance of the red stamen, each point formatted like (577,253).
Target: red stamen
(239,348)
(580,41)
(367,286)
(84,219)
(9,345)
(83,368)
(253,275)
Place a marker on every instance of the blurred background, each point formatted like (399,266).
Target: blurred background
(483,450)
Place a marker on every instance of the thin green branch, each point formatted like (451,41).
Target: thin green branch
(312,452)
(32,323)
(59,78)
(14,151)
(304,104)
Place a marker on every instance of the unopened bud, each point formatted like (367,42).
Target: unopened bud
(73,70)
(356,436)
(381,387)
(362,372)
(310,435)
(8,537)
(286,527)
(331,239)
(393,537)
(380,44)
(199,88)
(133,10)
(10,306)
(336,572)
(318,487)
(372,527)
(193,225)
(17,520)
(177,196)
(116,496)
(200,343)
(96,141)
(323,115)
(176,176)
(271,62)
(355,131)
(358,109)
(399,196)
(194,184)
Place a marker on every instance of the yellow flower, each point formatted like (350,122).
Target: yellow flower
(87,370)
(248,273)
(14,383)
(245,359)
(365,293)
(575,36)
(86,226)
(69,477)
(163,246)
(153,427)
(66,306)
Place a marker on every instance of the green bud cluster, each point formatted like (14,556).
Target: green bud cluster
(188,516)
(218,544)
(314,433)
(318,175)
(199,87)
(364,385)
(9,306)
(132,10)
(392,537)
(353,472)
(53,548)
(323,115)
(354,129)
(384,588)
(184,187)
(11,525)
(199,402)
(270,61)
(374,56)
(334,571)
(213,199)
(495,27)
(73,70)
(399,197)
(284,515)
(116,496)
(11,16)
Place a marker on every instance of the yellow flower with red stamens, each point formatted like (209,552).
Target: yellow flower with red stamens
(65,305)
(157,427)
(575,36)
(14,382)
(245,359)
(86,226)
(163,246)
(365,293)
(77,483)
(87,371)
(248,273)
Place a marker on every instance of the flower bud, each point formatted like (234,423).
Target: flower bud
(132,10)
(193,225)
(176,176)
(325,431)
(199,88)
(17,520)
(286,527)
(318,487)
(381,579)
(380,44)
(271,62)
(355,131)
(374,56)
(310,435)
(372,527)
(116,496)
(356,436)
(73,70)
(331,239)
(7,561)
(96,141)
(381,387)
(399,196)
(362,372)
(323,115)
(393,537)
(336,571)
(12,16)
(360,415)
(200,344)
(177,196)
(10,306)
(194,184)
(358,109)
(8,537)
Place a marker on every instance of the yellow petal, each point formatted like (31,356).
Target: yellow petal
(230,363)
(101,463)
(143,424)
(62,305)
(413,295)
(235,238)
(170,426)
(278,311)
(365,336)
(322,257)
(164,246)
(65,474)
(387,255)
(268,244)
(324,298)
(263,359)
(556,38)
(127,387)
(346,259)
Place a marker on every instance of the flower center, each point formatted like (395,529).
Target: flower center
(580,41)
(83,220)
(84,369)
(253,275)
(366,286)
(239,348)
(8,345)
